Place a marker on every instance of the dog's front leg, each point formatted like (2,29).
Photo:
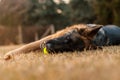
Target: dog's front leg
(24,49)
(27,48)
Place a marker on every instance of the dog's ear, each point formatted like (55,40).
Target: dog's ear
(89,32)
(92,31)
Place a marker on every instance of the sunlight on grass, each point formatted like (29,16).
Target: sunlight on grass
(87,65)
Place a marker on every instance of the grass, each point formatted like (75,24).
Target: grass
(87,65)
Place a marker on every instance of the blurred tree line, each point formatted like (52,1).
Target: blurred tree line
(46,12)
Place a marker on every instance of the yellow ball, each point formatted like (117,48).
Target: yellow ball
(45,50)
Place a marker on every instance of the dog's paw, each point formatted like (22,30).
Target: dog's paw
(7,57)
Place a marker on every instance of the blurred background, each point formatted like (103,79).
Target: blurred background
(24,21)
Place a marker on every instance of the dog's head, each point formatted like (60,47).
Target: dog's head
(77,37)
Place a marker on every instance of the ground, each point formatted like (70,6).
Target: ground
(87,65)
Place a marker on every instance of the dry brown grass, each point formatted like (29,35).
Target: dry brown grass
(87,65)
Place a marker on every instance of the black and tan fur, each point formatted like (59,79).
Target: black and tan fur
(77,32)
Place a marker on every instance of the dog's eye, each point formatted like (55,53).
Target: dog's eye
(67,39)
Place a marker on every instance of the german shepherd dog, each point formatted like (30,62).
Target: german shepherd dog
(77,37)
